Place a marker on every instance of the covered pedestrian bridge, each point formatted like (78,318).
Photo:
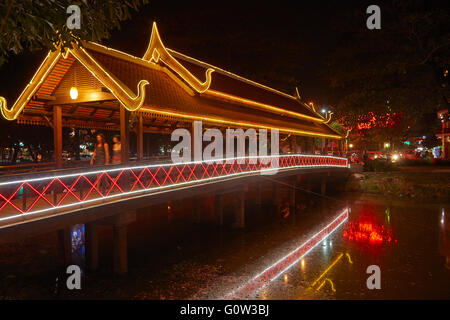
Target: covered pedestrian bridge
(98,88)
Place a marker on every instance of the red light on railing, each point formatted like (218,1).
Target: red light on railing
(38,194)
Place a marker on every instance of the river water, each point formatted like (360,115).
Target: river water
(175,259)
(409,242)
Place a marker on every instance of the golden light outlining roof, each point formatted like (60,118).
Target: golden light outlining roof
(157,57)
(118,89)
(348,132)
(328,117)
(156,51)
(297,94)
(12,113)
(244,124)
(263,106)
(319,117)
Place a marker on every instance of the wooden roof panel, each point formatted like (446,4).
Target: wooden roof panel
(164,94)
(229,83)
(169,95)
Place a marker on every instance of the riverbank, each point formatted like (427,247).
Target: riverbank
(425,182)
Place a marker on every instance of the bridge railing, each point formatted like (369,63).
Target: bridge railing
(46,193)
(36,167)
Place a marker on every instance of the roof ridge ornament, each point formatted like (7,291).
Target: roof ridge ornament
(328,117)
(299,100)
(156,51)
(131,101)
(297,94)
(348,132)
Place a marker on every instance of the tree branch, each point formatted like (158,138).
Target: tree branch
(430,54)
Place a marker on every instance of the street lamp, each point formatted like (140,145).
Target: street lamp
(387,145)
(350,145)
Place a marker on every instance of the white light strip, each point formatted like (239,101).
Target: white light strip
(168,165)
(158,188)
(345,212)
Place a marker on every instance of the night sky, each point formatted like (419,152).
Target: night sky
(276,43)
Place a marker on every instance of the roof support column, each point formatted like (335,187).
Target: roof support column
(324,146)
(147,151)
(196,131)
(293,143)
(124,133)
(140,137)
(57,136)
(312,143)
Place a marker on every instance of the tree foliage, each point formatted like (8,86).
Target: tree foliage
(38,24)
(401,67)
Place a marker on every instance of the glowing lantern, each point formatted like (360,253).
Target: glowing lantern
(73,93)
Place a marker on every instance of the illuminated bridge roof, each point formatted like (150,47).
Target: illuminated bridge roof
(167,87)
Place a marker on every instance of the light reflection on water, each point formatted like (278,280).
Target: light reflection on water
(411,249)
(285,263)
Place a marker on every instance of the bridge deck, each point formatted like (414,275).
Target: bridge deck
(50,199)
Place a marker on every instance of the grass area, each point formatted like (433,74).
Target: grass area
(420,184)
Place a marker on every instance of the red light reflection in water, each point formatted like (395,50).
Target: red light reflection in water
(366,229)
(273,271)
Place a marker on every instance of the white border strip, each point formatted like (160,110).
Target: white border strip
(156,189)
(171,164)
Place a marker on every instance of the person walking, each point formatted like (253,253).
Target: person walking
(116,150)
(100,157)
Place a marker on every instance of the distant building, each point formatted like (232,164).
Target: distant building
(444,133)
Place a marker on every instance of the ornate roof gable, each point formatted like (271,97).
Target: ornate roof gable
(156,52)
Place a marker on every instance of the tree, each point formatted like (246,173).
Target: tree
(39,24)
(401,68)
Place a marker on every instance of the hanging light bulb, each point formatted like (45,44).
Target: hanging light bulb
(73,93)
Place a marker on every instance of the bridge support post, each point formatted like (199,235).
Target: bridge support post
(308,184)
(92,245)
(65,245)
(120,254)
(276,196)
(323,185)
(258,194)
(197,210)
(292,194)
(120,249)
(218,207)
(239,211)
